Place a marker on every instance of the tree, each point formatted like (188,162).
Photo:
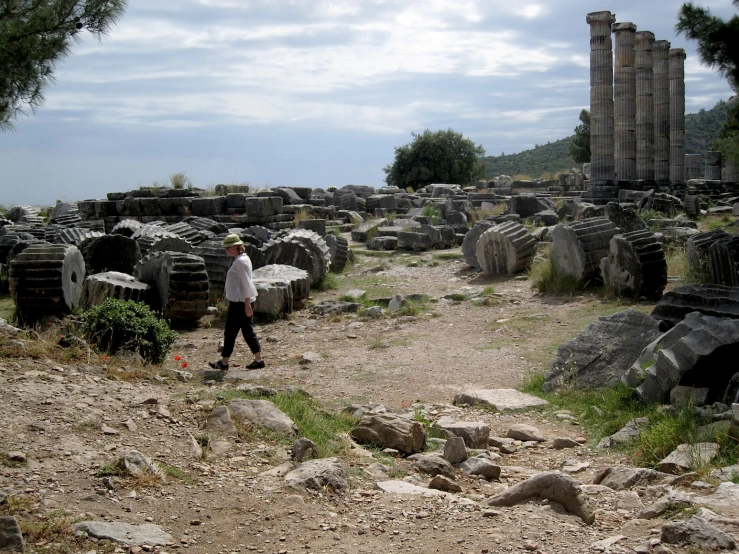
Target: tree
(718,40)
(435,157)
(580,143)
(35,35)
(718,47)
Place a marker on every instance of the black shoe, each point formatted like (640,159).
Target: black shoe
(256,364)
(218,365)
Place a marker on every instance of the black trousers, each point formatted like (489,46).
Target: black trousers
(236,320)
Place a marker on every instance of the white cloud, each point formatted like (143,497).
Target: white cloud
(530,11)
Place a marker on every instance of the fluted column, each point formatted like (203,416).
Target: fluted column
(692,166)
(713,166)
(729,173)
(601,97)
(660,55)
(677,115)
(644,106)
(624,102)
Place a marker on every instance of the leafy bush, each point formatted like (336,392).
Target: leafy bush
(117,324)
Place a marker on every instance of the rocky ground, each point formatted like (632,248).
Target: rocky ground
(66,422)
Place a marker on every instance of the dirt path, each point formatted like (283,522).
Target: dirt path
(54,413)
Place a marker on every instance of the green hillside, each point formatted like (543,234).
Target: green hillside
(700,130)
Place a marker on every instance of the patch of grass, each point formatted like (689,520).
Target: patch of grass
(312,418)
(7,462)
(617,405)
(397,341)
(545,278)
(348,298)
(18,504)
(449,256)
(432,211)
(177,473)
(7,308)
(328,282)
(301,215)
(111,469)
(379,343)
(480,214)
(87,425)
(679,510)
(723,221)
(375,253)
(652,218)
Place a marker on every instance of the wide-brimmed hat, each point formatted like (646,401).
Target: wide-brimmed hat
(232,240)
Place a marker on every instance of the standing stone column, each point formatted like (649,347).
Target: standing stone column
(660,55)
(677,115)
(624,99)
(644,106)
(713,166)
(692,166)
(601,97)
(729,173)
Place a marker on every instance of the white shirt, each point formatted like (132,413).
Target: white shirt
(239,286)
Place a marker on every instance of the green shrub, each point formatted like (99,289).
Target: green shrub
(117,324)
(432,211)
(545,278)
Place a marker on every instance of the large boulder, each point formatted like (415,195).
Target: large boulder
(322,474)
(390,431)
(262,413)
(601,354)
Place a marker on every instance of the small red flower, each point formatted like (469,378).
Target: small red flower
(184,365)
(177,358)
(105,357)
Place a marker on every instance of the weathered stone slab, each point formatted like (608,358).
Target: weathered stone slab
(432,465)
(390,431)
(480,466)
(455,450)
(524,432)
(364,230)
(325,473)
(403,488)
(725,500)
(11,537)
(603,352)
(263,413)
(626,434)
(499,399)
(688,456)
(474,433)
(696,531)
(125,533)
(219,422)
(621,478)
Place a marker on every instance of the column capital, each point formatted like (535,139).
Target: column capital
(677,53)
(661,45)
(600,17)
(646,36)
(621,27)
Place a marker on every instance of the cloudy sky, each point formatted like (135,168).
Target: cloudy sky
(312,92)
